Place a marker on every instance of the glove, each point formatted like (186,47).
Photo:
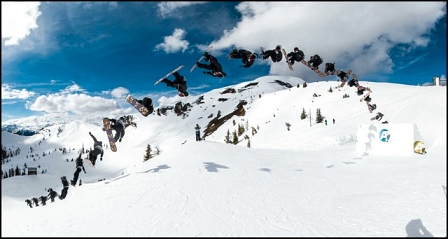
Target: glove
(204,72)
(101,159)
(119,140)
(85,171)
(197,63)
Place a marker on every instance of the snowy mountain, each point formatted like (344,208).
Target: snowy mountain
(286,176)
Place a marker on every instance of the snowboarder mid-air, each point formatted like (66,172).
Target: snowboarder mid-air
(247,57)
(97,150)
(329,68)
(276,54)
(79,167)
(315,61)
(296,55)
(147,102)
(119,126)
(180,83)
(214,66)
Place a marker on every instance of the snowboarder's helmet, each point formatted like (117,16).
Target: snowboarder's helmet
(296,49)
(253,56)
(277,48)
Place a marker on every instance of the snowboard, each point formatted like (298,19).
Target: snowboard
(200,59)
(286,58)
(349,72)
(177,69)
(110,136)
(320,73)
(89,162)
(141,108)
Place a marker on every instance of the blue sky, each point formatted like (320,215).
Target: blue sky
(79,59)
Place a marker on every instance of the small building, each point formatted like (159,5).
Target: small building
(32,171)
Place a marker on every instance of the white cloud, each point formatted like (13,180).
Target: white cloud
(18,19)
(351,34)
(9,93)
(173,43)
(72,88)
(119,92)
(167,8)
(79,104)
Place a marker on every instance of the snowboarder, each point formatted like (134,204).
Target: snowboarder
(36,202)
(275,54)
(325,122)
(214,66)
(343,75)
(97,149)
(361,89)
(329,68)
(147,102)
(371,107)
(52,194)
(180,83)
(198,132)
(29,203)
(65,187)
(79,167)
(296,55)
(378,116)
(247,57)
(43,200)
(315,61)
(119,126)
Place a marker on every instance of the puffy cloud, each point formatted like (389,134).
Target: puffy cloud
(10,93)
(80,104)
(18,19)
(119,92)
(174,42)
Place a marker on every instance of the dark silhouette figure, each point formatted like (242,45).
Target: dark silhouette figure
(198,132)
(52,194)
(180,83)
(214,66)
(276,54)
(79,166)
(97,150)
(65,187)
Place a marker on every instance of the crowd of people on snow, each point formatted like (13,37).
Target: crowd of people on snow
(214,69)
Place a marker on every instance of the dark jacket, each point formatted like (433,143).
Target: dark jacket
(295,56)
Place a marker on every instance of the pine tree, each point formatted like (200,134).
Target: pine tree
(304,85)
(248,143)
(235,138)
(303,115)
(330,90)
(148,153)
(240,129)
(287,125)
(227,137)
(319,118)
